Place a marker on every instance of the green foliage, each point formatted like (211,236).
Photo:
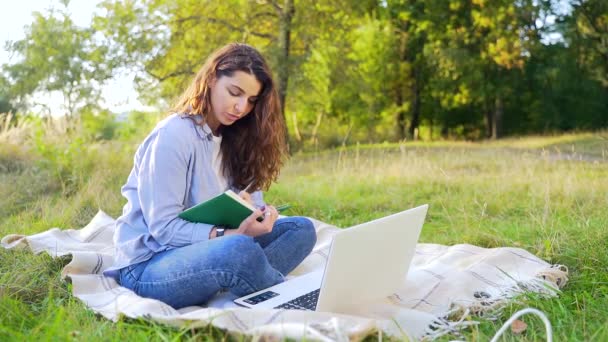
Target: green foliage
(137,125)
(5,105)
(365,71)
(553,85)
(63,159)
(168,41)
(98,126)
(378,68)
(60,144)
(58,56)
(587,30)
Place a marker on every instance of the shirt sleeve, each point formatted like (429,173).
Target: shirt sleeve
(162,185)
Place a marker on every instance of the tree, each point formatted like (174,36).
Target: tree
(479,48)
(375,66)
(5,105)
(376,75)
(587,31)
(168,41)
(410,23)
(58,56)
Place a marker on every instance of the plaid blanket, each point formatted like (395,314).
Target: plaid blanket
(443,281)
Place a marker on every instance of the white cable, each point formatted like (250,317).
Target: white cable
(518,314)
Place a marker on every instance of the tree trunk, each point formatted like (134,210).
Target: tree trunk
(350,129)
(315,130)
(497,120)
(401,87)
(489,115)
(445,131)
(415,105)
(400,117)
(286,16)
(68,101)
(296,129)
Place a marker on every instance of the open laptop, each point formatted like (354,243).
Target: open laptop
(366,262)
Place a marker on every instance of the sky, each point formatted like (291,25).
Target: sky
(118,94)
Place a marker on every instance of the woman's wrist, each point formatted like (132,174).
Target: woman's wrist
(213,232)
(231,232)
(216,231)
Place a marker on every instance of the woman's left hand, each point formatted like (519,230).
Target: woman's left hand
(252,227)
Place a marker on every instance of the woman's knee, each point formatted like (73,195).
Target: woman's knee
(241,251)
(306,229)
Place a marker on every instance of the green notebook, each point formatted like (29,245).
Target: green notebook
(227,209)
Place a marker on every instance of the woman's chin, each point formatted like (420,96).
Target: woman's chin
(229,121)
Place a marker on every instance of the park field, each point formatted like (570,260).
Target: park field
(547,195)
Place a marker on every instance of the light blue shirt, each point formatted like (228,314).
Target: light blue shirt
(174,169)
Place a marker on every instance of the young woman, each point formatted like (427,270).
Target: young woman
(227,132)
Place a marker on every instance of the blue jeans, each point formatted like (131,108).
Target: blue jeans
(191,275)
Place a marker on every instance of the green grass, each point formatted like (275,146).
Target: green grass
(514,192)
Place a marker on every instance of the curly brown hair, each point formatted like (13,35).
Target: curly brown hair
(253,148)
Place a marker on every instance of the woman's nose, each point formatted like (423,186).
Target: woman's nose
(240,106)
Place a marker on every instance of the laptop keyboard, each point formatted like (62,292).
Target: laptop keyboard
(304,302)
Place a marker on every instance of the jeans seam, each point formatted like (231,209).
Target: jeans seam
(129,272)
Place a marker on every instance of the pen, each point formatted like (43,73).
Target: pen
(248,186)
(283,207)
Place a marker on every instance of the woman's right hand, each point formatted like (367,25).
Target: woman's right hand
(252,227)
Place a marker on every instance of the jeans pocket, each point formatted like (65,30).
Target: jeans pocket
(129,276)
